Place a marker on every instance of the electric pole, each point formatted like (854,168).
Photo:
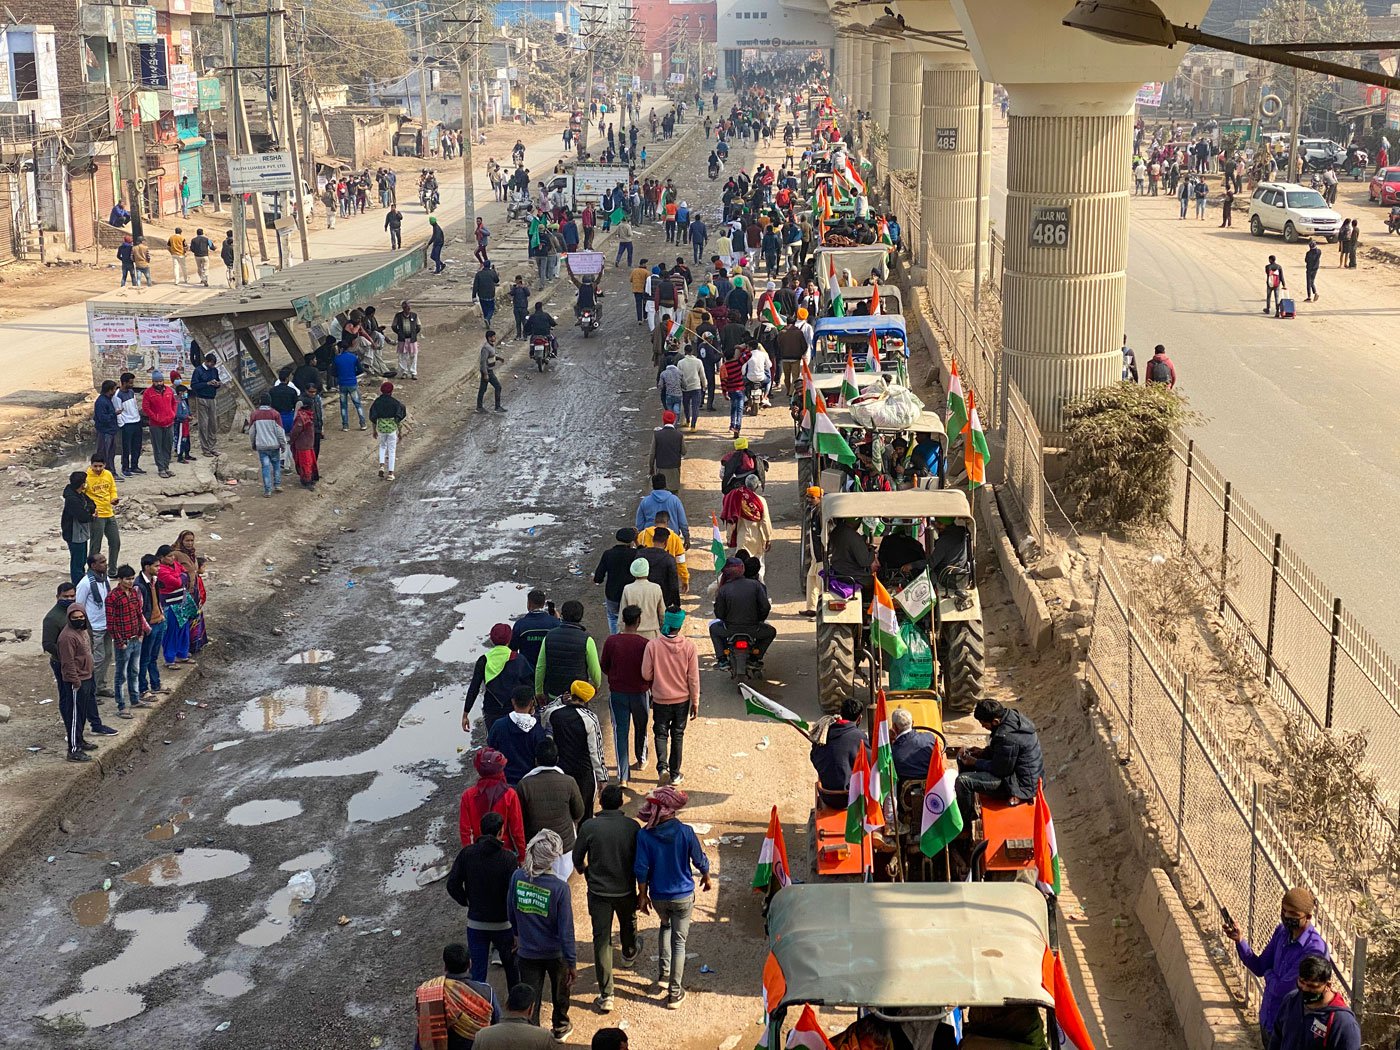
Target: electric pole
(422,77)
(590,27)
(129,145)
(286,128)
(464,58)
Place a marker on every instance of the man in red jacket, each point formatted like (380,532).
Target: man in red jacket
(158,405)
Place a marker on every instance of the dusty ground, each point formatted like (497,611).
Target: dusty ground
(360,749)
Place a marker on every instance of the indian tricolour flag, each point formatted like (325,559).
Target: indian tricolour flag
(872,358)
(1043,847)
(771,314)
(807,1034)
(772,858)
(957,407)
(883,228)
(862,810)
(883,773)
(851,175)
(826,439)
(976,455)
(875,299)
(774,991)
(849,390)
(884,626)
(716,543)
(942,820)
(755,703)
(1074,1033)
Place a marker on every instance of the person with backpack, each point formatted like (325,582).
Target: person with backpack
(1274,286)
(1160,369)
(387,413)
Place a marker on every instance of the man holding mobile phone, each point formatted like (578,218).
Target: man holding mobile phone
(1293,939)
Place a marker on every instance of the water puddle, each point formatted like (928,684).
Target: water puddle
(512,522)
(91,909)
(408,864)
(468,639)
(596,488)
(262,811)
(424,583)
(297,707)
(222,744)
(188,868)
(380,649)
(227,984)
(282,908)
(311,656)
(166,829)
(428,734)
(160,943)
(364,570)
(318,858)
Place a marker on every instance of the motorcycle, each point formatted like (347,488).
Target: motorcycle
(588,321)
(1392,221)
(541,352)
(430,201)
(743,661)
(519,207)
(754,398)
(714,172)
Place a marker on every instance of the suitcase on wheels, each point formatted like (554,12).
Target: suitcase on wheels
(1286,308)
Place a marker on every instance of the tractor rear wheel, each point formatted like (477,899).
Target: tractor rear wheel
(966,660)
(836,664)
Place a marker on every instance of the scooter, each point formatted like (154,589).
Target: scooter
(588,321)
(541,352)
(1392,221)
(519,207)
(714,172)
(744,662)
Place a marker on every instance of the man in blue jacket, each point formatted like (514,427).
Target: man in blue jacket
(204,388)
(1293,939)
(529,631)
(518,734)
(1314,1016)
(661,498)
(666,851)
(347,369)
(542,915)
(104,421)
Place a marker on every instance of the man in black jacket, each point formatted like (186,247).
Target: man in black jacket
(834,754)
(614,572)
(484,291)
(742,606)
(530,629)
(567,655)
(479,881)
(1009,767)
(606,853)
(662,571)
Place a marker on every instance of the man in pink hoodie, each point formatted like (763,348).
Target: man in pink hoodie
(671,666)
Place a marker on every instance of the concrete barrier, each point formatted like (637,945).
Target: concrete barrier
(1035,614)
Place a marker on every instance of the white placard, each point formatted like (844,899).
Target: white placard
(109,330)
(261,172)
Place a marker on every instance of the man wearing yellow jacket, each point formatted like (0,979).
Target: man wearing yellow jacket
(673,545)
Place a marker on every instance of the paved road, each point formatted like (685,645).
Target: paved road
(1300,414)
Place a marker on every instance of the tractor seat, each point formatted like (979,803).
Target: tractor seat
(830,801)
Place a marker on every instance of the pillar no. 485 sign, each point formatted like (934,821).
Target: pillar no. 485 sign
(1050,227)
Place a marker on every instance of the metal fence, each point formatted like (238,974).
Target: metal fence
(1233,848)
(1324,669)
(996,260)
(979,363)
(1023,475)
(904,202)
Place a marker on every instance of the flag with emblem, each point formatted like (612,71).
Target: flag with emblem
(872,357)
(957,407)
(862,810)
(1043,846)
(771,314)
(976,455)
(826,439)
(773,872)
(716,543)
(1074,1033)
(884,624)
(755,703)
(849,389)
(807,1034)
(942,820)
(884,751)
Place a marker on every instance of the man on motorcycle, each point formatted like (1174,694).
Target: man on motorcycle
(517,153)
(714,165)
(737,465)
(742,607)
(540,323)
(589,289)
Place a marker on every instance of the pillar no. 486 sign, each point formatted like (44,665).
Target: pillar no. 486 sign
(1050,227)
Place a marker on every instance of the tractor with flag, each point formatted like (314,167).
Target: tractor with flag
(935,965)
(872,343)
(915,614)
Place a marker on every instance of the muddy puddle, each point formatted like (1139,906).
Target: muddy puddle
(91,909)
(189,868)
(317,858)
(380,649)
(227,984)
(524,522)
(262,811)
(167,829)
(496,604)
(424,583)
(311,656)
(282,908)
(223,744)
(595,488)
(297,707)
(107,993)
(409,864)
(429,734)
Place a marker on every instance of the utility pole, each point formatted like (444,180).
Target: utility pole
(241,141)
(287,133)
(463,59)
(590,26)
(422,76)
(240,221)
(128,144)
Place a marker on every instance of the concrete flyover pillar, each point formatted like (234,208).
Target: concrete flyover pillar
(844,65)
(951,98)
(865,91)
(880,84)
(1064,287)
(906,109)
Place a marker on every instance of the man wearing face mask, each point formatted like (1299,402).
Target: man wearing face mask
(1314,1016)
(76,700)
(1293,939)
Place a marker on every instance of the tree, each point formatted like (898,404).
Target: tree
(1294,21)
(550,78)
(342,41)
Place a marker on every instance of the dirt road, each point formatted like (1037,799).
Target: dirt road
(336,749)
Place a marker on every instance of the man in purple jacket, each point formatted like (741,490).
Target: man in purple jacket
(1294,938)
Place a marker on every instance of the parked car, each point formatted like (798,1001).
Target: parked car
(1292,210)
(1385,186)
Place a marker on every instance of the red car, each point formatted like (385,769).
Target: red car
(1385,186)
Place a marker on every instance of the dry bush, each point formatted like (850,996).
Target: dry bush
(1119,439)
(1382,1018)
(1321,780)
(1170,593)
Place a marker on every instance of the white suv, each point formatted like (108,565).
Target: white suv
(1292,210)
